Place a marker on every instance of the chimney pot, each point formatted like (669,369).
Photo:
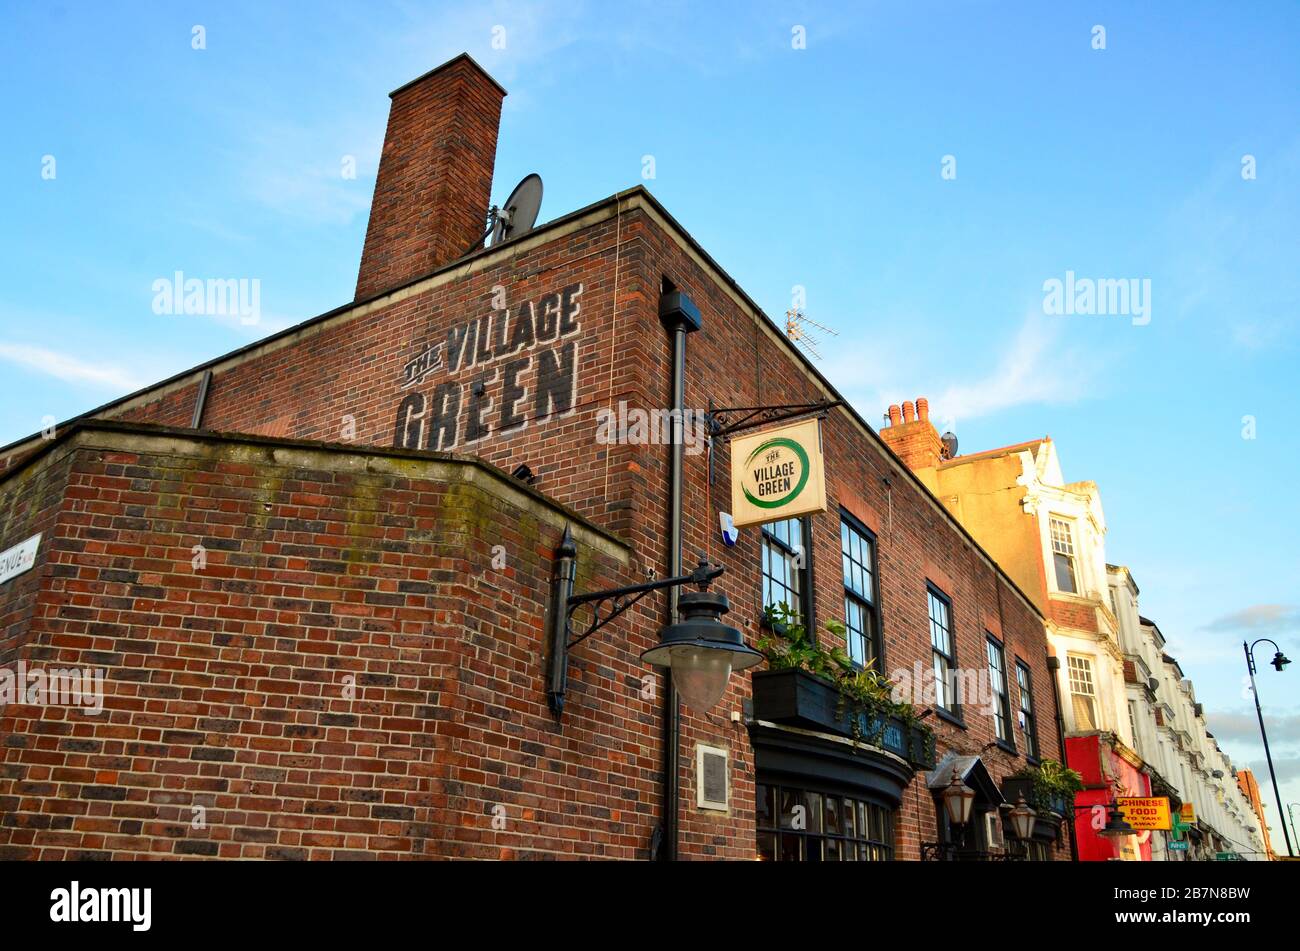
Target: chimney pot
(895,415)
(922,408)
(909,414)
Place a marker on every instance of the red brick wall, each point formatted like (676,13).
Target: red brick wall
(28,507)
(1079,617)
(227,685)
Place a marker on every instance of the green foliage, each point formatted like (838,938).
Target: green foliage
(865,694)
(1052,781)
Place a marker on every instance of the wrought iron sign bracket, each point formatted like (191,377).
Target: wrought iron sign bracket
(724,421)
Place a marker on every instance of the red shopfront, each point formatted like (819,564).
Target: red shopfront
(1108,771)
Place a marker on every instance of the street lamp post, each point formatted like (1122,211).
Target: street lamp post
(1279,661)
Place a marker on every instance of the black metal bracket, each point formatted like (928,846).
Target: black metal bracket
(625,597)
(724,421)
(564,603)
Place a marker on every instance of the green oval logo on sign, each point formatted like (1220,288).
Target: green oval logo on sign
(775,477)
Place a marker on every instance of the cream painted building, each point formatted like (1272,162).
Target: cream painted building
(1168,725)
(1132,725)
(1049,535)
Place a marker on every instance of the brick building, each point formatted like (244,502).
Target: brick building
(319,597)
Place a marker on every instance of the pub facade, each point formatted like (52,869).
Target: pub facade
(320,574)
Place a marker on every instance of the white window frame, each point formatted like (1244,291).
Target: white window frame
(1071,541)
(1076,666)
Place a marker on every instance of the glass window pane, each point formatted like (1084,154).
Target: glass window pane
(812,803)
(791,848)
(789,799)
(832,816)
(767,846)
(765,811)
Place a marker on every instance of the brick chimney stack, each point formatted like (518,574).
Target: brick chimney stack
(914,439)
(435,175)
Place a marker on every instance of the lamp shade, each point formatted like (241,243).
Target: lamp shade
(1116,826)
(957,800)
(1022,819)
(701,651)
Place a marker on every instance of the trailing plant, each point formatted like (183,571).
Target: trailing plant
(865,695)
(1051,782)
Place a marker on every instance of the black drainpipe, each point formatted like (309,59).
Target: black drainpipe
(1053,665)
(679,316)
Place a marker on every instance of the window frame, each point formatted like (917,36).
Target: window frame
(774,825)
(952,713)
(1091,695)
(992,643)
(870,609)
(805,607)
(1025,688)
(1072,556)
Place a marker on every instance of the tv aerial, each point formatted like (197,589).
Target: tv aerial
(519,213)
(796,329)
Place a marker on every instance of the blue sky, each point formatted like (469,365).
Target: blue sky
(818,167)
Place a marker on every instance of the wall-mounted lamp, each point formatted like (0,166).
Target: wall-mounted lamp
(958,798)
(1022,820)
(699,649)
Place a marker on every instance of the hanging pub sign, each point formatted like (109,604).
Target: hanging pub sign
(1146,812)
(777,473)
(1187,814)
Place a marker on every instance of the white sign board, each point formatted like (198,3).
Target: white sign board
(14,561)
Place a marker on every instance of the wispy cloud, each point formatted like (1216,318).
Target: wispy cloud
(70,369)
(1287,767)
(1240,726)
(1260,618)
(1036,367)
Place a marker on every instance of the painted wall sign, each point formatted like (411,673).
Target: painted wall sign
(14,561)
(492,374)
(777,473)
(1146,813)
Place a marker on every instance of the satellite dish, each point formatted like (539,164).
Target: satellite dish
(950,444)
(518,215)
